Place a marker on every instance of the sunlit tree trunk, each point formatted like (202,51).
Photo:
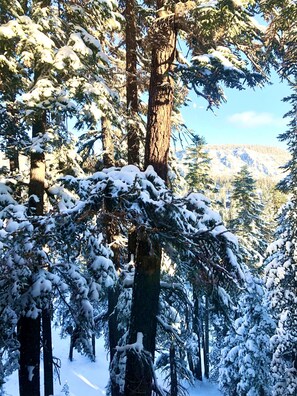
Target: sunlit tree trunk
(28,328)
(146,287)
(131,82)
(160,93)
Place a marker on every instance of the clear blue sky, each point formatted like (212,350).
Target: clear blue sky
(252,116)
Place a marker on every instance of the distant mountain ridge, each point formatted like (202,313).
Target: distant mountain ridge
(228,159)
(263,161)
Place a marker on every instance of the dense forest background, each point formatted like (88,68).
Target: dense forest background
(106,233)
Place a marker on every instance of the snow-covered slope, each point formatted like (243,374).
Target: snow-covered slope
(263,161)
(85,378)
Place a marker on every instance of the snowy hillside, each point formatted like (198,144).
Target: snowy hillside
(263,161)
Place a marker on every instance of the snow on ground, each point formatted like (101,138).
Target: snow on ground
(85,378)
(204,388)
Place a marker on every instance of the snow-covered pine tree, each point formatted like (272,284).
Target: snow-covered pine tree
(199,180)
(244,368)
(209,68)
(141,200)
(280,272)
(245,359)
(247,223)
(280,276)
(9,345)
(281,36)
(51,46)
(198,166)
(209,31)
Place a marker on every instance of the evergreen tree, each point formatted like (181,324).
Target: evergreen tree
(221,65)
(280,277)
(136,196)
(49,47)
(245,356)
(248,225)
(281,36)
(198,163)
(280,272)
(59,60)
(198,179)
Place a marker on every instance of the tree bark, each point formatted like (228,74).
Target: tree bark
(146,288)
(161,93)
(107,143)
(47,352)
(113,293)
(37,171)
(28,328)
(143,320)
(29,338)
(206,338)
(113,333)
(173,372)
(131,83)
(71,347)
(197,372)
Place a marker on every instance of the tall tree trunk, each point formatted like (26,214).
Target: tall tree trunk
(160,93)
(206,338)
(111,230)
(107,143)
(132,100)
(143,369)
(72,345)
(197,372)
(47,352)
(113,333)
(37,170)
(131,82)
(173,372)
(28,328)
(146,288)
(29,339)
(143,320)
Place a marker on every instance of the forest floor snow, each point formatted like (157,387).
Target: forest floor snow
(81,377)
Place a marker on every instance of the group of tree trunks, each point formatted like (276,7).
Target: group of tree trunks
(147,252)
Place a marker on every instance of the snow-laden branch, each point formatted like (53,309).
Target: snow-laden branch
(176,287)
(169,329)
(136,346)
